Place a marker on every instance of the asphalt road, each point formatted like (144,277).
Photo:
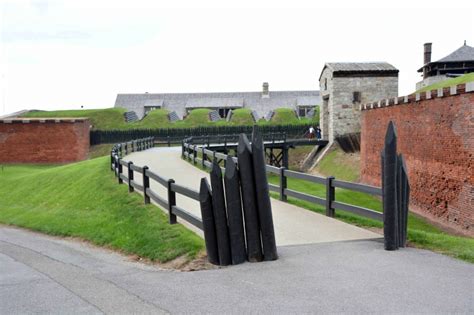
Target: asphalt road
(41,274)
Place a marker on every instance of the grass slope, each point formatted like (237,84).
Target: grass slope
(241,116)
(420,232)
(157,118)
(450,82)
(101,119)
(84,200)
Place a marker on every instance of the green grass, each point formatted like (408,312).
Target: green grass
(113,118)
(241,116)
(336,164)
(101,119)
(420,233)
(84,200)
(157,118)
(450,82)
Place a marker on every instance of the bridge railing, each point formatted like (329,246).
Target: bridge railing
(202,156)
(125,172)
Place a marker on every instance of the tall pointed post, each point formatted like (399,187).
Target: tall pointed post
(234,212)
(220,215)
(207,215)
(390,207)
(263,198)
(249,200)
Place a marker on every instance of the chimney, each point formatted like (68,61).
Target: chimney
(265,92)
(426,58)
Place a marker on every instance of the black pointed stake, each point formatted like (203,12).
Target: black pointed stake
(234,212)
(249,200)
(220,215)
(390,207)
(403,201)
(207,215)
(263,198)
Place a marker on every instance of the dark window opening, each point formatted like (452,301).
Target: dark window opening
(356,97)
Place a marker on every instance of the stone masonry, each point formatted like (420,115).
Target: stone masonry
(344,86)
(436,136)
(44,140)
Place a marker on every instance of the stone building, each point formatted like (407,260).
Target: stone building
(344,86)
(459,62)
(261,102)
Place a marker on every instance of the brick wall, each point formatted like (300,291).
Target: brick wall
(436,136)
(43,140)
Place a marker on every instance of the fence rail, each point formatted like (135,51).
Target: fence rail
(190,151)
(174,211)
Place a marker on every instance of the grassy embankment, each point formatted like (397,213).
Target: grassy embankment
(450,82)
(112,118)
(84,200)
(420,233)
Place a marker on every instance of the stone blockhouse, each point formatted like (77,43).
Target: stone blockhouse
(344,86)
(261,102)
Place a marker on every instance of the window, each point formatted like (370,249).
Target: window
(356,97)
(325,84)
(304,110)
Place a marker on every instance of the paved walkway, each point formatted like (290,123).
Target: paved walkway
(41,274)
(293,225)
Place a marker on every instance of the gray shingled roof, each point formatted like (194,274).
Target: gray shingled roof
(307,101)
(215,102)
(154,102)
(464,53)
(360,66)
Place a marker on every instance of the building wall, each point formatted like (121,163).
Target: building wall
(436,136)
(253,100)
(430,80)
(342,115)
(43,140)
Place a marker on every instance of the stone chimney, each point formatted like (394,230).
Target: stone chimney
(426,57)
(265,91)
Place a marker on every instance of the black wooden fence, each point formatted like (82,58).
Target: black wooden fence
(174,211)
(395,189)
(176,135)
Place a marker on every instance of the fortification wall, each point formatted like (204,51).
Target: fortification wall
(43,140)
(436,136)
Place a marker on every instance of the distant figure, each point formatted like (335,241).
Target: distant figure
(318,133)
(311,132)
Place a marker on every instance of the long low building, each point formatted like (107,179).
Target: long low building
(260,102)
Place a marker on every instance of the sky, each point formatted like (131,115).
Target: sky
(67,54)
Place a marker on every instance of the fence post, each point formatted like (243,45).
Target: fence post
(283,184)
(234,212)
(263,198)
(194,154)
(220,215)
(115,164)
(182,148)
(130,177)
(171,202)
(389,188)
(119,171)
(146,185)
(249,199)
(330,197)
(203,158)
(209,228)
(112,162)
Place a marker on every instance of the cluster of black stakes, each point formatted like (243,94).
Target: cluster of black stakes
(396,192)
(236,212)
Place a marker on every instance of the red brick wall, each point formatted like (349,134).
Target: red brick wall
(436,136)
(43,141)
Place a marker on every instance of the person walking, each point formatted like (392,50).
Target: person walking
(311,132)
(318,132)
